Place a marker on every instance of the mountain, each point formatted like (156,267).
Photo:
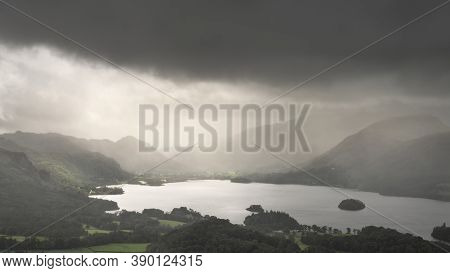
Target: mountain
(64,159)
(419,167)
(349,161)
(400,156)
(29,198)
(127,153)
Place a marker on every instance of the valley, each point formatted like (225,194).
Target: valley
(46,176)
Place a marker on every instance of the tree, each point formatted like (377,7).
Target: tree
(441,233)
(272,221)
(255,208)
(218,235)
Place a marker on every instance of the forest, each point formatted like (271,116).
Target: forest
(185,230)
(442,233)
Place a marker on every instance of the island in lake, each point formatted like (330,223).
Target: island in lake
(351,204)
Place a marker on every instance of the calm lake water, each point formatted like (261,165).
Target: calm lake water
(308,204)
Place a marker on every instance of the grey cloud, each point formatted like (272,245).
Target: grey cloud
(273,42)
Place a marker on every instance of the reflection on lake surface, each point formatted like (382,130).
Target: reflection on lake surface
(308,204)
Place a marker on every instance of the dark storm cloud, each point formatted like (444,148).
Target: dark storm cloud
(273,42)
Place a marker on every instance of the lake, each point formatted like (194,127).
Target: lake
(307,204)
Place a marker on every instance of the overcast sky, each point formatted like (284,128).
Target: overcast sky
(219,51)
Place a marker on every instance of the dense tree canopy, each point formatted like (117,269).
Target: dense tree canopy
(351,204)
(217,235)
(370,239)
(442,233)
(255,208)
(272,221)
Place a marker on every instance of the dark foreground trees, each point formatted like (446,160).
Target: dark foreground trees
(371,239)
(218,235)
(255,209)
(442,233)
(272,221)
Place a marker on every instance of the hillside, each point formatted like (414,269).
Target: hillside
(29,200)
(419,167)
(64,160)
(401,156)
(355,154)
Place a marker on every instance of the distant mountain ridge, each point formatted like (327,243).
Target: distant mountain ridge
(64,160)
(122,157)
(126,152)
(400,156)
(419,167)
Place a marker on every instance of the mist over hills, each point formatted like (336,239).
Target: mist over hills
(64,160)
(231,157)
(419,167)
(357,152)
(400,156)
(126,152)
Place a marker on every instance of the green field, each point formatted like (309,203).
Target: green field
(298,241)
(120,248)
(92,230)
(170,223)
(108,248)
